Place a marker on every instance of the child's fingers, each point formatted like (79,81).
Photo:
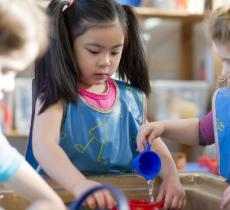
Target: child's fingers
(225,200)
(184,203)
(91,202)
(152,136)
(111,203)
(99,197)
(144,132)
(167,199)
(155,133)
(141,142)
(167,202)
(141,137)
(175,203)
(160,195)
(141,147)
(181,204)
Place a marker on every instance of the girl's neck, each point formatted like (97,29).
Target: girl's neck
(98,89)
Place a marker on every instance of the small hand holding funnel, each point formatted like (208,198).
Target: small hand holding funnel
(147,164)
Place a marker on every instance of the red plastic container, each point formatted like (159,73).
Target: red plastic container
(203,161)
(210,163)
(145,205)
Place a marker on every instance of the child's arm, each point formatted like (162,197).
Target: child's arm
(16,173)
(184,131)
(225,199)
(27,182)
(171,189)
(42,205)
(52,158)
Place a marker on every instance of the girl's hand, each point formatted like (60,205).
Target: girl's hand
(147,133)
(225,198)
(101,198)
(173,194)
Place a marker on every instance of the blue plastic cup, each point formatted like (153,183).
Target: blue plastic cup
(135,3)
(147,164)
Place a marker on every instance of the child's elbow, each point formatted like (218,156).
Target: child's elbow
(39,152)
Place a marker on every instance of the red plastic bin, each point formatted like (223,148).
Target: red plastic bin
(145,205)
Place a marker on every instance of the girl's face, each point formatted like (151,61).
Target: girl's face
(98,53)
(223,50)
(14,62)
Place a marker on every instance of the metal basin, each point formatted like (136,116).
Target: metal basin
(203,190)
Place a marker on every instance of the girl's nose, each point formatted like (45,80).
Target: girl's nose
(104,61)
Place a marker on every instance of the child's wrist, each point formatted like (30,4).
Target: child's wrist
(170,171)
(173,176)
(76,186)
(164,128)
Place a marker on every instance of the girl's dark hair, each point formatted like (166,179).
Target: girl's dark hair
(57,74)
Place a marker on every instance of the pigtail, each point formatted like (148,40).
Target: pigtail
(55,74)
(133,66)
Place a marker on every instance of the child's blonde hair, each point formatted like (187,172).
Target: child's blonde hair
(219,24)
(219,31)
(21,20)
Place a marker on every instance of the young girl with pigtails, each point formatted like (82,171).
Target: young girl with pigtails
(85,122)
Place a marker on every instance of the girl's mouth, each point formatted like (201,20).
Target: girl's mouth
(101,76)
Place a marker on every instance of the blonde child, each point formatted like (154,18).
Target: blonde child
(20,44)
(214,127)
(85,122)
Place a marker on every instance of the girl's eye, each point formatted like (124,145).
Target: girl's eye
(115,53)
(95,52)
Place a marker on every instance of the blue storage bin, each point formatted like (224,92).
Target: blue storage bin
(135,3)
